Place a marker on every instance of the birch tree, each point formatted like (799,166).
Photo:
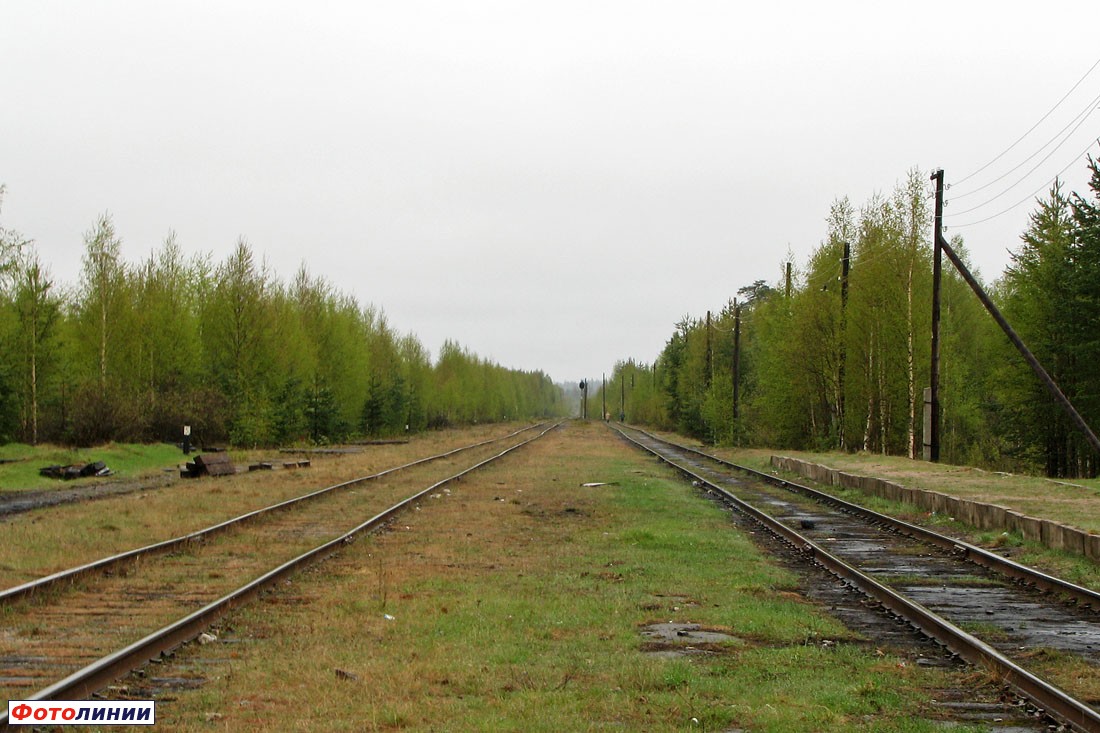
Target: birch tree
(38,307)
(101,286)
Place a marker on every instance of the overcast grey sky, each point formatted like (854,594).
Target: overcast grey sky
(552,184)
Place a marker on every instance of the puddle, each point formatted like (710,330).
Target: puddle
(684,639)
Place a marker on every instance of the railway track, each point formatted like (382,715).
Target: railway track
(113,563)
(951,591)
(71,633)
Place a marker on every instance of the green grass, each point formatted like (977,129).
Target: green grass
(1072,501)
(518,604)
(124,459)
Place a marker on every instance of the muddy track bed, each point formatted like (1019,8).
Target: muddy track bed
(1057,641)
(984,704)
(47,636)
(538,598)
(18,502)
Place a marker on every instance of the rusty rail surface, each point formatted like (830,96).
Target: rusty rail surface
(1082,596)
(95,676)
(70,575)
(1052,700)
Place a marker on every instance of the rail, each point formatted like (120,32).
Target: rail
(94,676)
(1052,700)
(70,575)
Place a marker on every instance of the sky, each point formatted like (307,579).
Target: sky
(553,185)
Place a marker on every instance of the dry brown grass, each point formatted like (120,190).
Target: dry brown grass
(515,602)
(52,539)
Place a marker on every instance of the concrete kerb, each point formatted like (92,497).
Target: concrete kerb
(1055,535)
(991,516)
(1073,539)
(1092,546)
(849,480)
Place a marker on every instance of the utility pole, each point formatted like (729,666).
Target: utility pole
(622,395)
(845,268)
(736,363)
(603,394)
(787,290)
(934,372)
(709,366)
(1044,377)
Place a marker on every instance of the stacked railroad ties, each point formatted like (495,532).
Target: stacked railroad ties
(219,464)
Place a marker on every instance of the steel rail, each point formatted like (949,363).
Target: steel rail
(96,675)
(39,585)
(960,548)
(1052,700)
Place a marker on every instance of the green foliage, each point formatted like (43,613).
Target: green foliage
(818,372)
(812,372)
(973,357)
(37,309)
(1050,294)
(468,389)
(9,395)
(137,352)
(9,405)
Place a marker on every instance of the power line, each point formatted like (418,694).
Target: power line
(1032,129)
(1087,111)
(1037,165)
(1029,197)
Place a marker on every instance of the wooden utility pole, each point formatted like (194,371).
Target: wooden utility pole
(787,290)
(1042,374)
(603,395)
(934,372)
(622,395)
(845,268)
(736,363)
(709,356)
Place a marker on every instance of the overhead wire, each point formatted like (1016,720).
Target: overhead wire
(1036,167)
(813,281)
(1033,127)
(1029,197)
(1086,112)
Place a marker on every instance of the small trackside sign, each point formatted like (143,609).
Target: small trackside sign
(81,712)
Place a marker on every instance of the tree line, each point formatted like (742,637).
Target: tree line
(822,366)
(133,352)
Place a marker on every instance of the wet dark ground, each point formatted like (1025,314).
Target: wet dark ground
(969,596)
(964,593)
(17,502)
(991,707)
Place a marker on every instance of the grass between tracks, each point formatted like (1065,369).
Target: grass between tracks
(46,540)
(517,602)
